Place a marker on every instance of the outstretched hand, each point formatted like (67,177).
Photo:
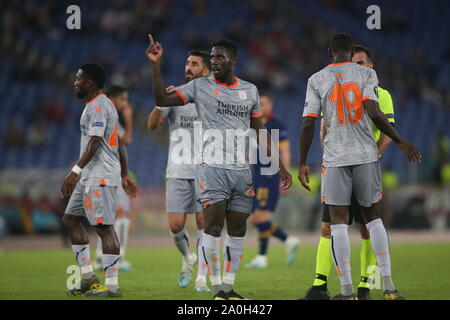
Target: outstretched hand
(410,150)
(154,51)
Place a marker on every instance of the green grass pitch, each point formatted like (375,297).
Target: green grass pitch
(420,272)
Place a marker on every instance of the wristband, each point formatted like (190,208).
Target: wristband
(76,169)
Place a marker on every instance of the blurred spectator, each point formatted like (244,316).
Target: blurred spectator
(38,135)
(54,111)
(15,136)
(43,218)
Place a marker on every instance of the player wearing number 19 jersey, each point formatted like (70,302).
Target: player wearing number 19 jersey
(324,262)
(346,93)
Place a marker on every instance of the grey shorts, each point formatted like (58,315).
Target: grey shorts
(235,186)
(96,203)
(123,200)
(364,180)
(181,196)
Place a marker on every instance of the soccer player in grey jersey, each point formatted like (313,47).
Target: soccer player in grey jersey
(226,191)
(346,94)
(181,195)
(119,97)
(92,184)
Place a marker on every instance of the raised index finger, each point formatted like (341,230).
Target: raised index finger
(150,38)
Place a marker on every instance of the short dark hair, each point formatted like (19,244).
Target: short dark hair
(115,91)
(340,43)
(360,48)
(94,72)
(229,45)
(202,54)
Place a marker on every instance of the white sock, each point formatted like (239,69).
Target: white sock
(83,257)
(181,240)
(380,246)
(202,267)
(211,249)
(111,269)
(122,227)
(233,248)
(340,248)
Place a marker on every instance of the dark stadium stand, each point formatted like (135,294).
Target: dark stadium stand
(416,75)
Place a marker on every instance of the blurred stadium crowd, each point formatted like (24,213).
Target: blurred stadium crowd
(281,43)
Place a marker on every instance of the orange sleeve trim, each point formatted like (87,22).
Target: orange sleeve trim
(181,96)
(365,98)
(255,115)
(312,115)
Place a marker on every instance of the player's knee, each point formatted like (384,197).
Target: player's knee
(176,227)
(237,230)
(214,230)
(325,230)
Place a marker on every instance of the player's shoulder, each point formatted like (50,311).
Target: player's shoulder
(103,104)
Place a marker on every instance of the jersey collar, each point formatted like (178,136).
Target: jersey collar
(92,100)
(235,84)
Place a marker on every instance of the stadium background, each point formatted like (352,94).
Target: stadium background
(281,43)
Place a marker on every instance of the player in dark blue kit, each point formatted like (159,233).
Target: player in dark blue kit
(267,189)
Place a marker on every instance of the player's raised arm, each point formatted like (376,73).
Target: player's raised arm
(256,123)
(162,97)
(380,120)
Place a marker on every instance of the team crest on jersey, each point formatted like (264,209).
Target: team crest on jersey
(242,95)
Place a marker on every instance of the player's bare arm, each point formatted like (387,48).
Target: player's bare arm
(323,131)
(127,137)
(380,120)
(128,184)
(154,119)
(70,181)
(162,97)
(286,178)
(306,137)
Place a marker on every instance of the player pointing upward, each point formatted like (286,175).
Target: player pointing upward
(223,102)
(346,94)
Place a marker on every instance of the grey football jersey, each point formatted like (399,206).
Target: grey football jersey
(181,126)
(337,92)
(100,119)
(223,109)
